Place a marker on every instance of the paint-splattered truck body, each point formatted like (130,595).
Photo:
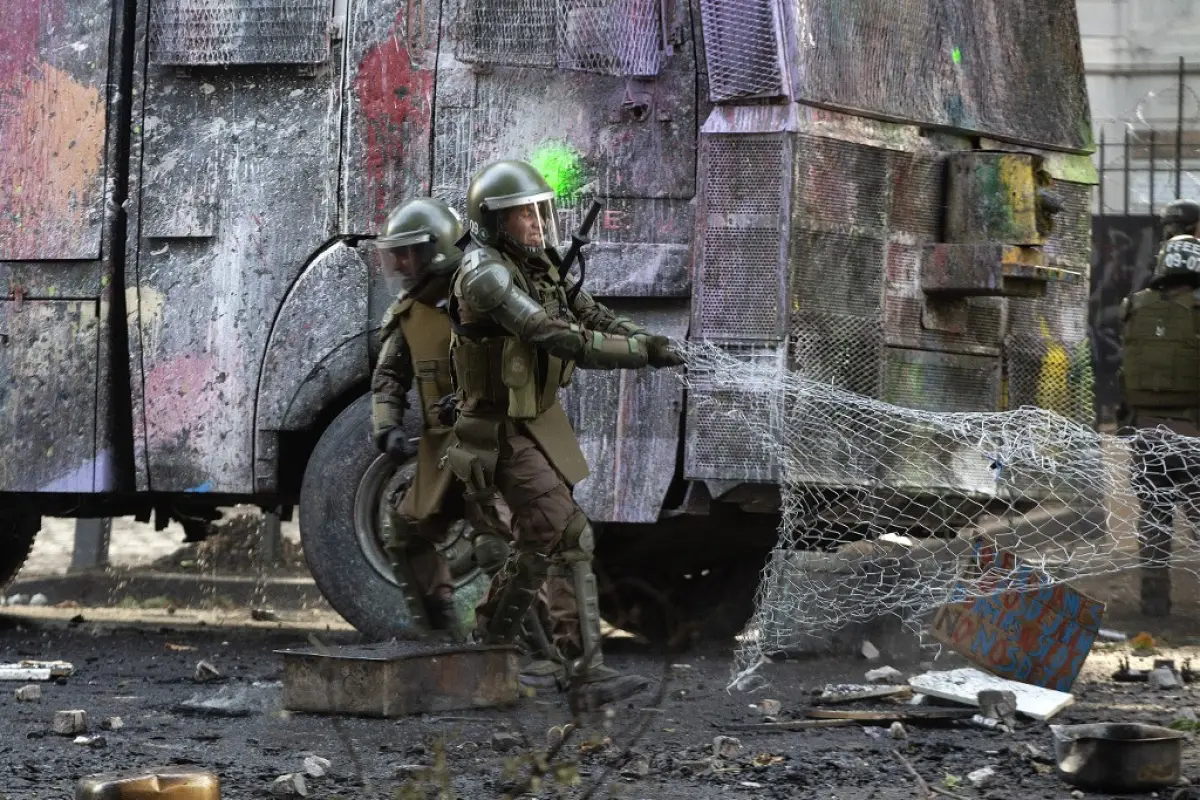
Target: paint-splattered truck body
(189,188)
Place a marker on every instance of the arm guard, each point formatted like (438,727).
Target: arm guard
(487,287)
(599,317)
(391,381)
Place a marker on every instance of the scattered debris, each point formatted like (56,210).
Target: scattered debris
(836,693)
(925,789)
(964,685)
(39,599)
(980,778)
(505,741)
(35,670)
(726,747)
(1143,644)
(180,648)
(884,675)
(234,701)
(793,725)
(1110,635)
(112,724)
(18,599)
(897,731)
(290,785)
(317,767)
(91,741)
(28,694)
(869,651)
(901,713)
(263,615)
(1163,678)
(1000,704)
(638,766)
(1127,674)
(767,760)
(988,724)
(769,708)
(70,723)
(1118,757)
(206,671)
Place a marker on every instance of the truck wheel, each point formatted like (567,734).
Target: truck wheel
(16,540)
(340,529)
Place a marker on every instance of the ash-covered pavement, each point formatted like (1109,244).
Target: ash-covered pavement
(143,671)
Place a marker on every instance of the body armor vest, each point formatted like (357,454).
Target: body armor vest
(497,371)
(1162,350)
(427,331)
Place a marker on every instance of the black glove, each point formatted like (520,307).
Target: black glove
(397,446)
(447,409)
(660,353)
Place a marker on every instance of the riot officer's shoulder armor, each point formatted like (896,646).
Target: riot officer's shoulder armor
(395,313)
(485,279)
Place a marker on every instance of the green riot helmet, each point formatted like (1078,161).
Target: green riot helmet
(1181,217)
(419,244)
(509,201)
(1179,258)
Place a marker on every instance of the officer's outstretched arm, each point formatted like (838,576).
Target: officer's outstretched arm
(488,288)
(599,317)
(391,381)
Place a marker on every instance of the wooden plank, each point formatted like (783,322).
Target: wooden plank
(899,714)
(238,192)
(963,685)
(49,412)
(53,75)
(628,428)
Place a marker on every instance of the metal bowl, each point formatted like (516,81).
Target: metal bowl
(1118,756)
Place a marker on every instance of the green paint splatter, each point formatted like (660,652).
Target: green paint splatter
(956,54)
(561,166)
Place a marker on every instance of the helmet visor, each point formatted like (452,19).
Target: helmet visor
(530,225)
(404,264)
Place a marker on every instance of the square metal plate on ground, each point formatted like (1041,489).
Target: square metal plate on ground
(394,679)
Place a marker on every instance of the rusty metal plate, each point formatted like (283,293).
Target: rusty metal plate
(202,32)
(396,679)
(177,783)
(1013,69)
(53,74)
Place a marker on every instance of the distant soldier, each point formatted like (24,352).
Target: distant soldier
(1160,371)
(518,336)
(418,253)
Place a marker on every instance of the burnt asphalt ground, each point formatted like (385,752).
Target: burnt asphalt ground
(130,671)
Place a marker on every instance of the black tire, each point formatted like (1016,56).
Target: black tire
(16,540)
(344,475)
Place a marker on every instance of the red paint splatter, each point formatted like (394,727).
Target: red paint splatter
(396,97)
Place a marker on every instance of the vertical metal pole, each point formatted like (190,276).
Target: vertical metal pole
(272,539)
(1179,136)
(1127,172)
(1151,170)
(1103,155)
(91,544)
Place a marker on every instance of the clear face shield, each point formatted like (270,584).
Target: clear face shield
(531,223)
(403,260)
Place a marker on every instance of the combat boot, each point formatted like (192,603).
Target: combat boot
(542,673)
(443,617)
(598,686)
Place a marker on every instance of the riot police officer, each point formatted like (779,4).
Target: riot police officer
(1160,333)
(517,338)
(418,252)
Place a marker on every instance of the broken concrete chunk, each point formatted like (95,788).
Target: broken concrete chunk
(505,741)
(28,694)
(1186,715)
(70,723)
(884,675)
(235,701)
(980,778)
(998,704)
(316,767)
(769,708)
(964,685)
(638,766)
(39,599)
(35,670)
(1163,678)
(206,671)
(290,785)
(263,615)
(869,651)
(91,741)
(897,731)
(726,747)
(18,599)
(112,724)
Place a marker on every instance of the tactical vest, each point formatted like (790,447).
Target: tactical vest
(1162,350)
(496,370)
(427,331)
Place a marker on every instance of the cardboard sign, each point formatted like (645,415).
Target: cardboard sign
(1014,622)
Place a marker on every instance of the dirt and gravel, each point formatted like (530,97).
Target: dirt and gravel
(141,667)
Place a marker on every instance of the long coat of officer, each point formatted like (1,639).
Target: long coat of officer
(1160,333)
(517,338)
(418,253)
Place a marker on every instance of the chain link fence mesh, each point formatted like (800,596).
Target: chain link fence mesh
(882,505)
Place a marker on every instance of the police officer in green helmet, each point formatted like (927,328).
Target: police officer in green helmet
(518,335)
(1160,375)
(418,252)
